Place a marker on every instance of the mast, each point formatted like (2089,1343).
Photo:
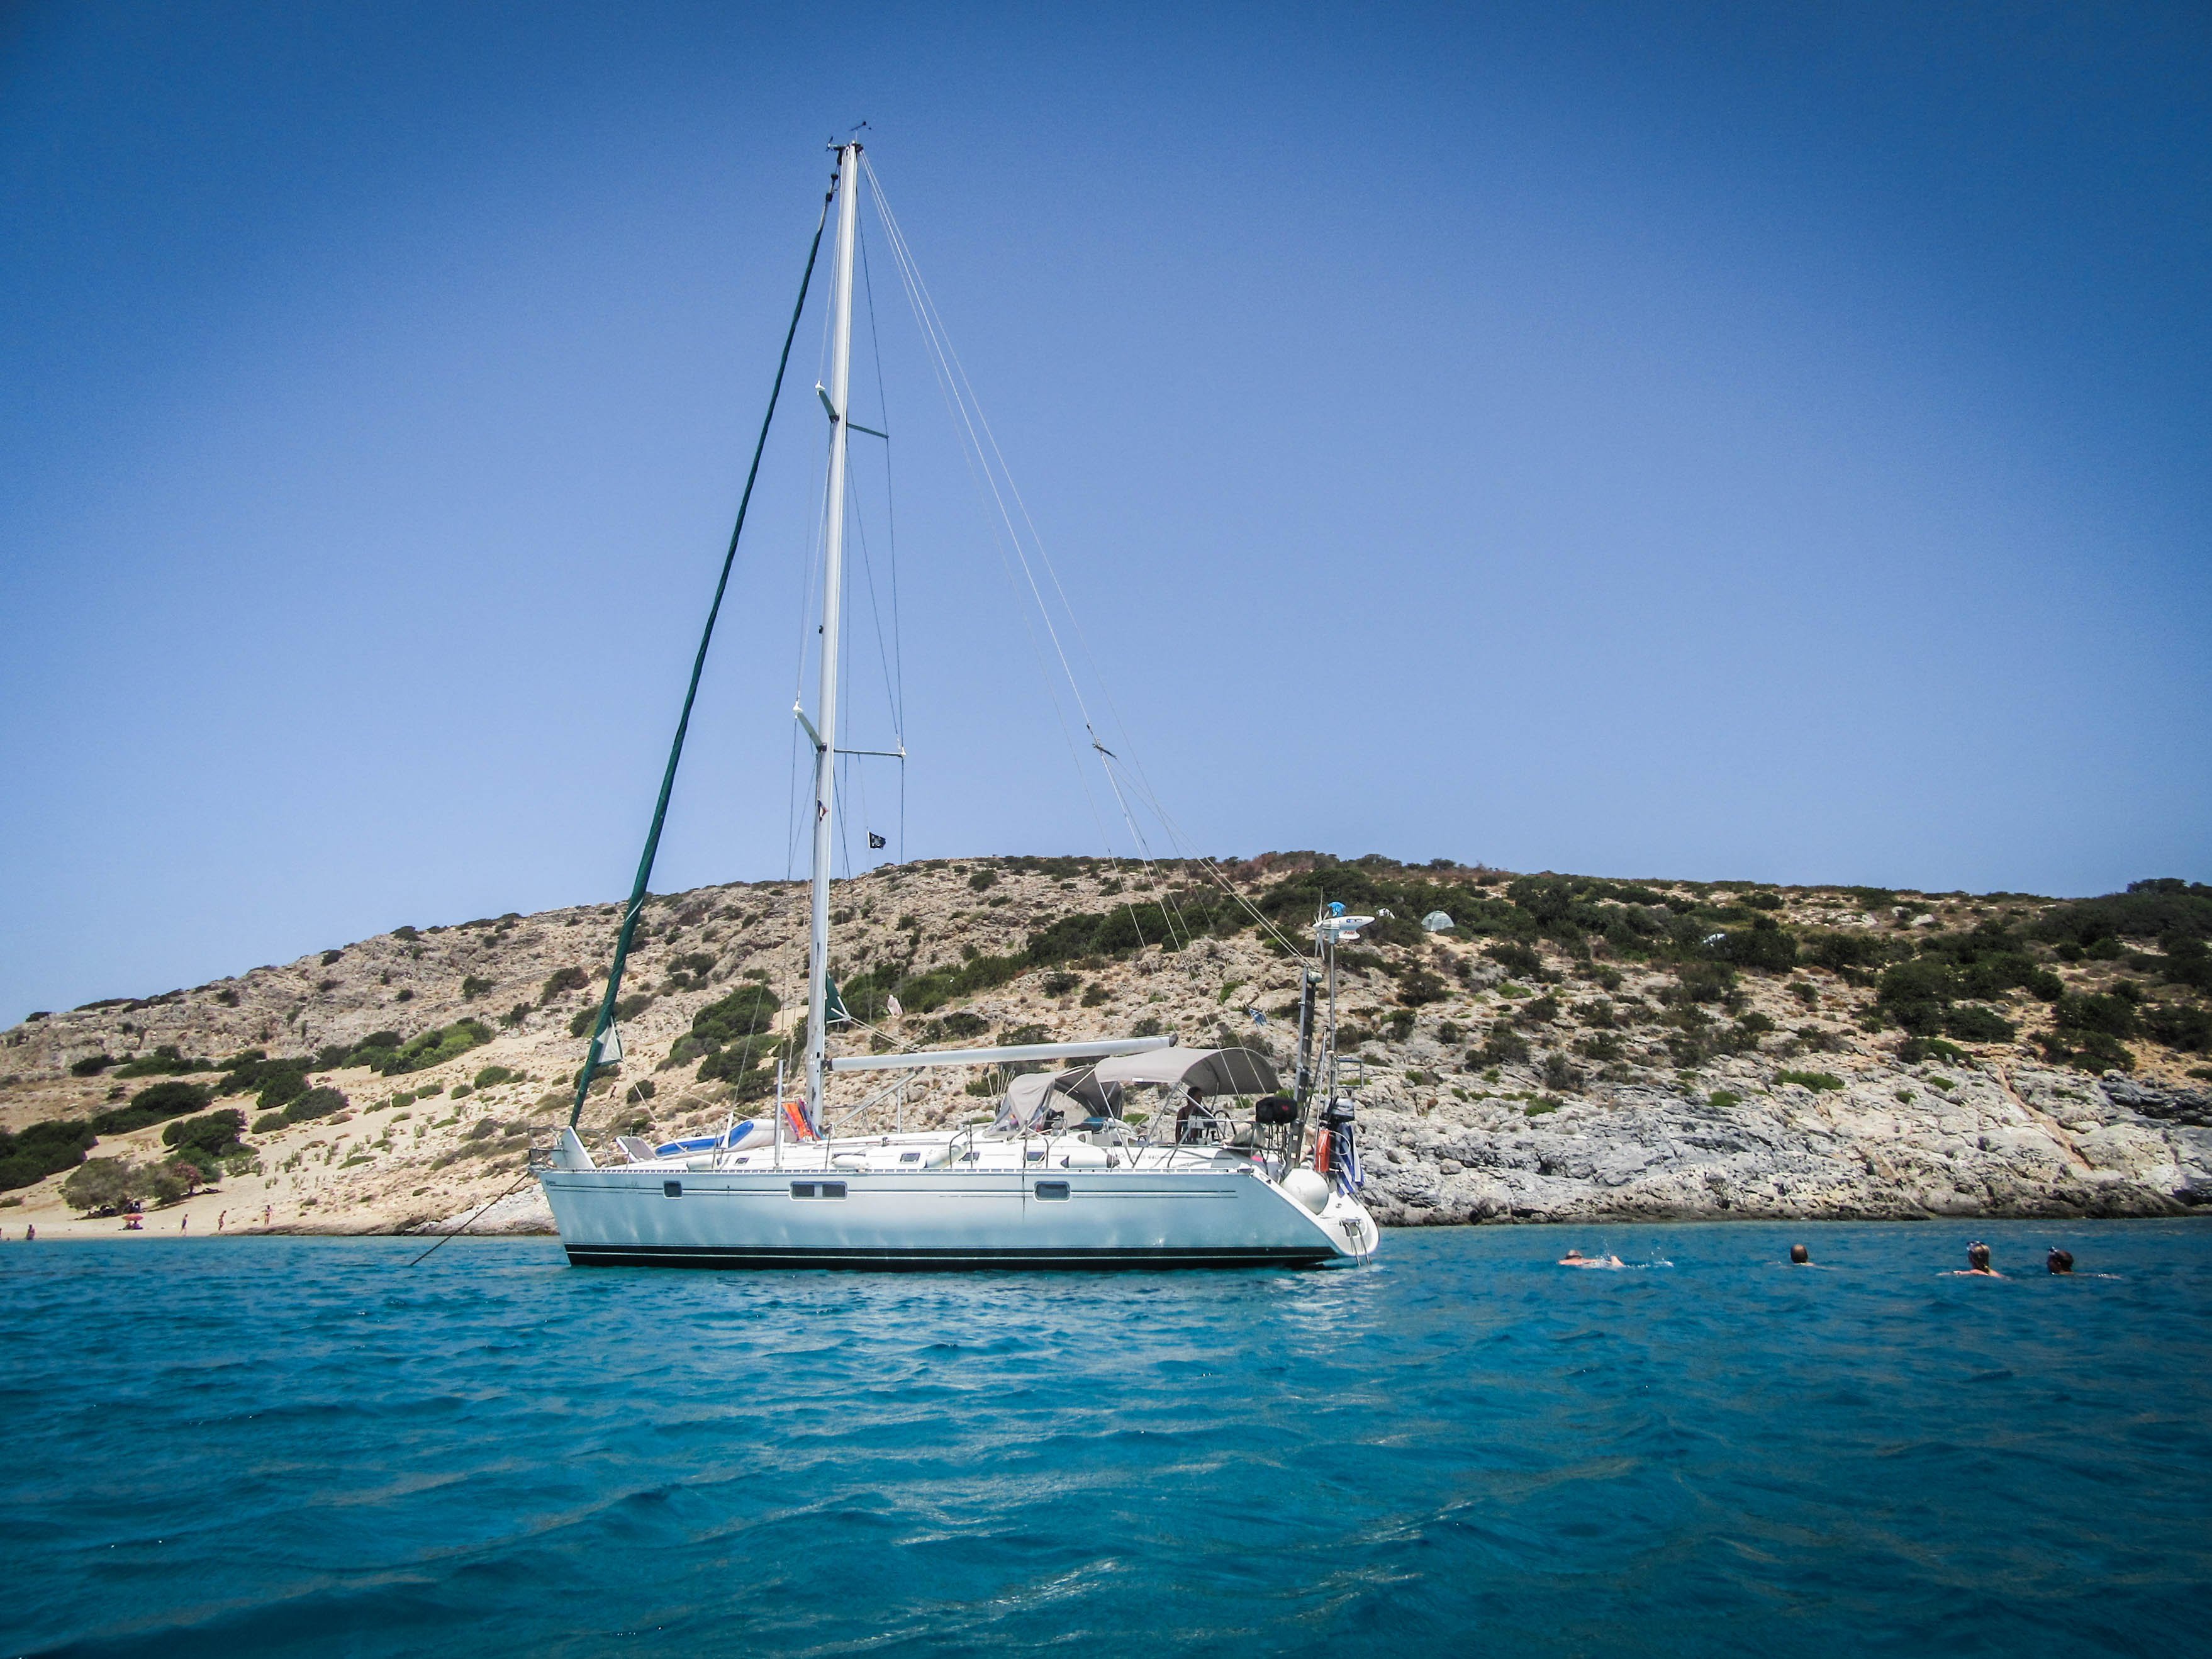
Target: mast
(833,597)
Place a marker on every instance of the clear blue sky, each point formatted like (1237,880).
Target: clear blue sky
(1707,440)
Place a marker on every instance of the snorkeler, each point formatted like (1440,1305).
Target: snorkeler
(1977,1263)
(2059,1261)
(1800,1256)
(1577,1259)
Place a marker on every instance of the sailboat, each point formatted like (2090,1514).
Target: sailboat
(1230,1169)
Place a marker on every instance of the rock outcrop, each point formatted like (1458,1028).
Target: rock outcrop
(2000,1142)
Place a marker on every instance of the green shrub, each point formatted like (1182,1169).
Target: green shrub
(1977,1024)
(2159,908)
(156,1104)
(1095,996)
(316,1102)
(32,1153)
(955,1026)
(1502,1047)
(630,1007)
(1917,994)
(1915,1049)
(1724,1098)
(560,982)
(1701,983)
(2087,1050)
(1816,1081)
(1837,951)
(91,1064)
(1398,1024)
(1762,946)
(736,1062)
(1418,987)
(1538,1011)
(206,1140)
(492,1075)
(2111,1016)
(103,1184)
(1148,1026)
(2187,963)
(433,1047)
(473,986)
(1562,1074)
(269,1123)
(1059,983)
(281,1085)
(743,1013)
(2178,1025)
(1515,957)
(163,1061)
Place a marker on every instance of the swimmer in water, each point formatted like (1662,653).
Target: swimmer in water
(1977,1264)
(2059,1261)
(1577,1259)
(1800,1256)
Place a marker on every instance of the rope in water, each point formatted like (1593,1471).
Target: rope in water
(637,906)
(471,1220)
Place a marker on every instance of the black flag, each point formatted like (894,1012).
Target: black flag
(875,841)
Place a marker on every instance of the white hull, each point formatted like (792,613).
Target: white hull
(670,1215)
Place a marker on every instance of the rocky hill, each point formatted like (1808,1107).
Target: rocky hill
(1568,1049)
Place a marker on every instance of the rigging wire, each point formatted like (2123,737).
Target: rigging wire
(986,462)
(1112,763)
(1004,535)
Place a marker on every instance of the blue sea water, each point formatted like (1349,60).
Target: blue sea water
(273,1446)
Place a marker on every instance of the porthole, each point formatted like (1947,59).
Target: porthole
(673,1189)
(1052,1189)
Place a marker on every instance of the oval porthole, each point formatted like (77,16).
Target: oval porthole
(1052,1189)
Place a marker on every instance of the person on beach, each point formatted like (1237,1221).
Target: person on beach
(1577,1259)
(30,1233)
(1800,1256)
(184,1223)
(2059,1261)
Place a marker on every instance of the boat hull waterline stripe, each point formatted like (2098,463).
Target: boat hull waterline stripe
(923,1261)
